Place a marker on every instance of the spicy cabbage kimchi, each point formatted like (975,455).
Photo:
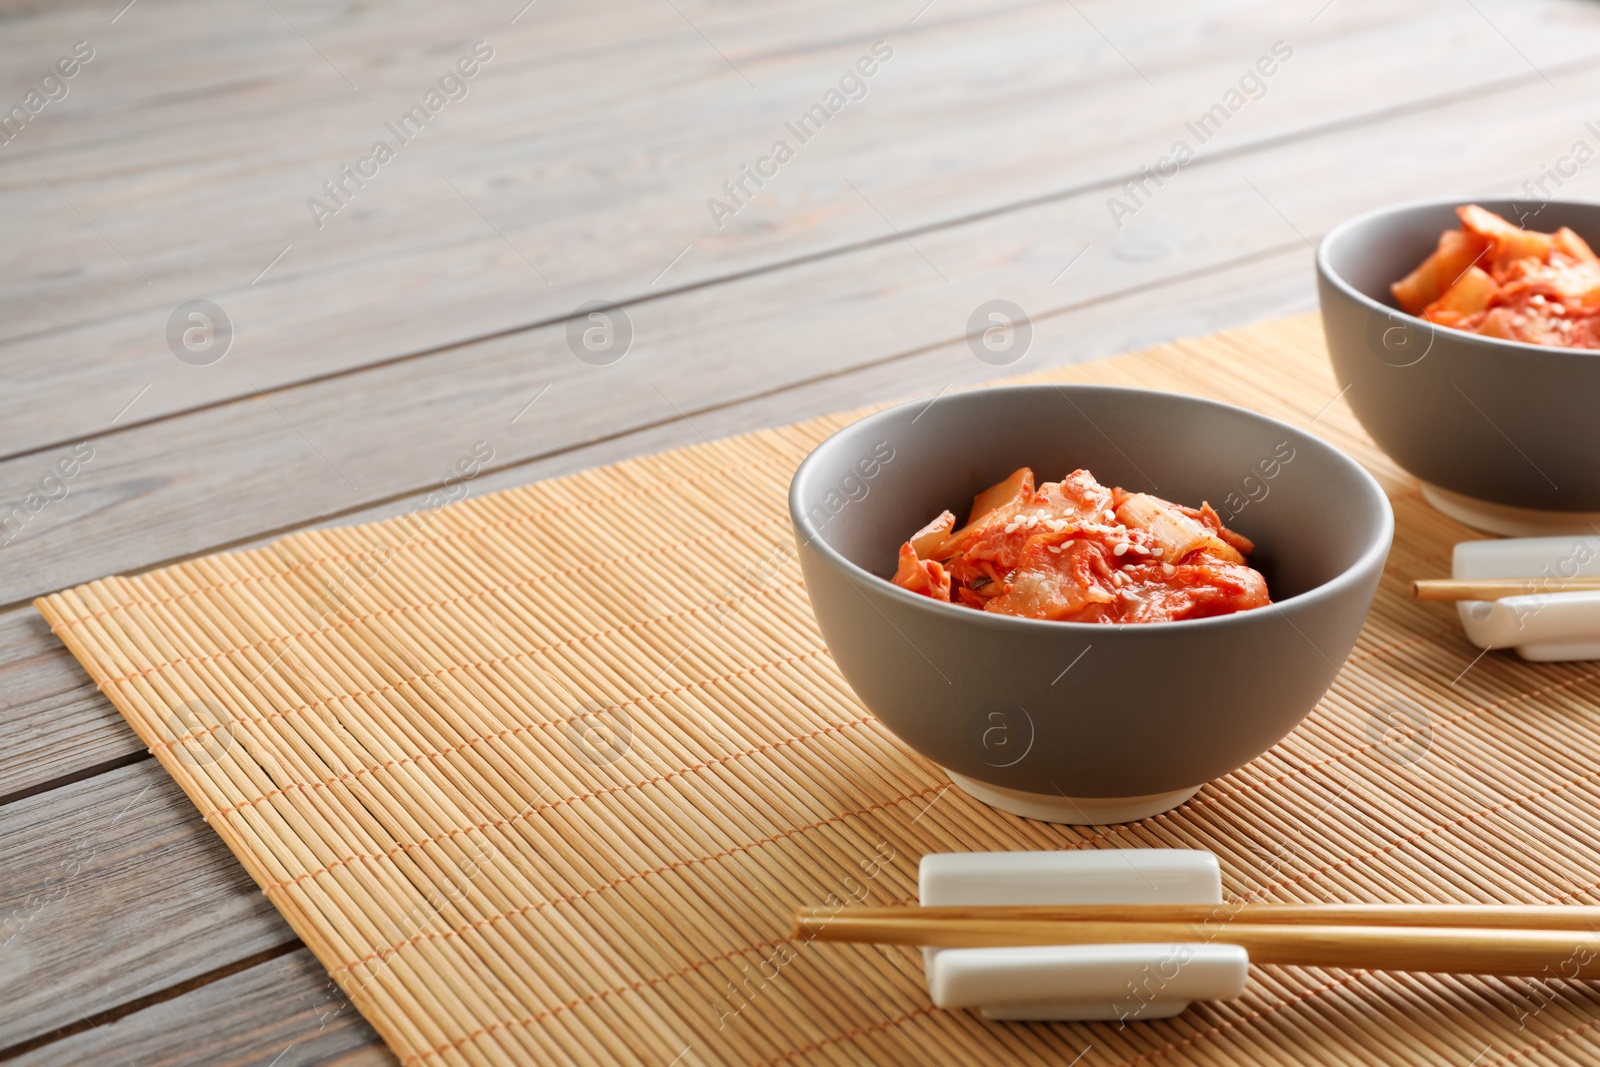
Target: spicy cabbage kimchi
(1077,551)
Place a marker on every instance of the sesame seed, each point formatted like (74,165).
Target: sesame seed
(1121,549)
(1111,516)
(1168,569)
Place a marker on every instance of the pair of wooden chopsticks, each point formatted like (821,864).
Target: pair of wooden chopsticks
(1495,588)
(1509,940)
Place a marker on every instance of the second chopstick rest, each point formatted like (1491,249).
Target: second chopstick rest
(1544,626)
(1078,982)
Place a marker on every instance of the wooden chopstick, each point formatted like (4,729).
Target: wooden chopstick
(1495,588)
(1439,949)
(1506,916)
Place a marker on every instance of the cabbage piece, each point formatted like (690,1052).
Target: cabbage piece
(1457,250)
(927,541)
(927,577)
(1175,534)
(1016,489)
(1470,293)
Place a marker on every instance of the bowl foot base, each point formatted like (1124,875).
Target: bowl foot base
(1079,811)
(1508,521)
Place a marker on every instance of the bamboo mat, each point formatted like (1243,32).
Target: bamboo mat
(540,776)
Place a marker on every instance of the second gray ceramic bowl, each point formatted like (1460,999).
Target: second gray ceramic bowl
(1077,722)
(1502,434)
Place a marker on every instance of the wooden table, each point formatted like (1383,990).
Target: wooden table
(402,316)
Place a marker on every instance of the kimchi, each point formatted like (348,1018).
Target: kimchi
(1499,280)
(1076,551)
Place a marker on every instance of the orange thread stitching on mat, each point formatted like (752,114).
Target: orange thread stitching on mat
(1394,646)
(1300,998)
(570,898)
(412,543)
(1191,806)
(345,624)
(589,998)
(382,613)
(1571,1031)
(1318,991)
(1259,1013)
(1569,894)
(452,601)
(390,687)
(387,764)
(1418,835)
(1326,987)
(850,1034)
(497,736)
(495,824)
(1188,807)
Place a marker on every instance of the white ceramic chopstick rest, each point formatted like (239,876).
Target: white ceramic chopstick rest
(1540,626)
(1075,982)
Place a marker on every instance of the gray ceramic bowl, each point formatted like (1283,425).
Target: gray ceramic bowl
(1077,722)
(1501,433)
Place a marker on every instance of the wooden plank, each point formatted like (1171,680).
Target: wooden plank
(57,725)
(281,1013)
(219,476)
(114,888)
(202,207)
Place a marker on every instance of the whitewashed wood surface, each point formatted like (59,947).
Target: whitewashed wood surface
(369,353)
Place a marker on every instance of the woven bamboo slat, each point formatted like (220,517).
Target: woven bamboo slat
(541,776)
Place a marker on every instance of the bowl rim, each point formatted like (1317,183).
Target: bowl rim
(1326,270)
(1374,553)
